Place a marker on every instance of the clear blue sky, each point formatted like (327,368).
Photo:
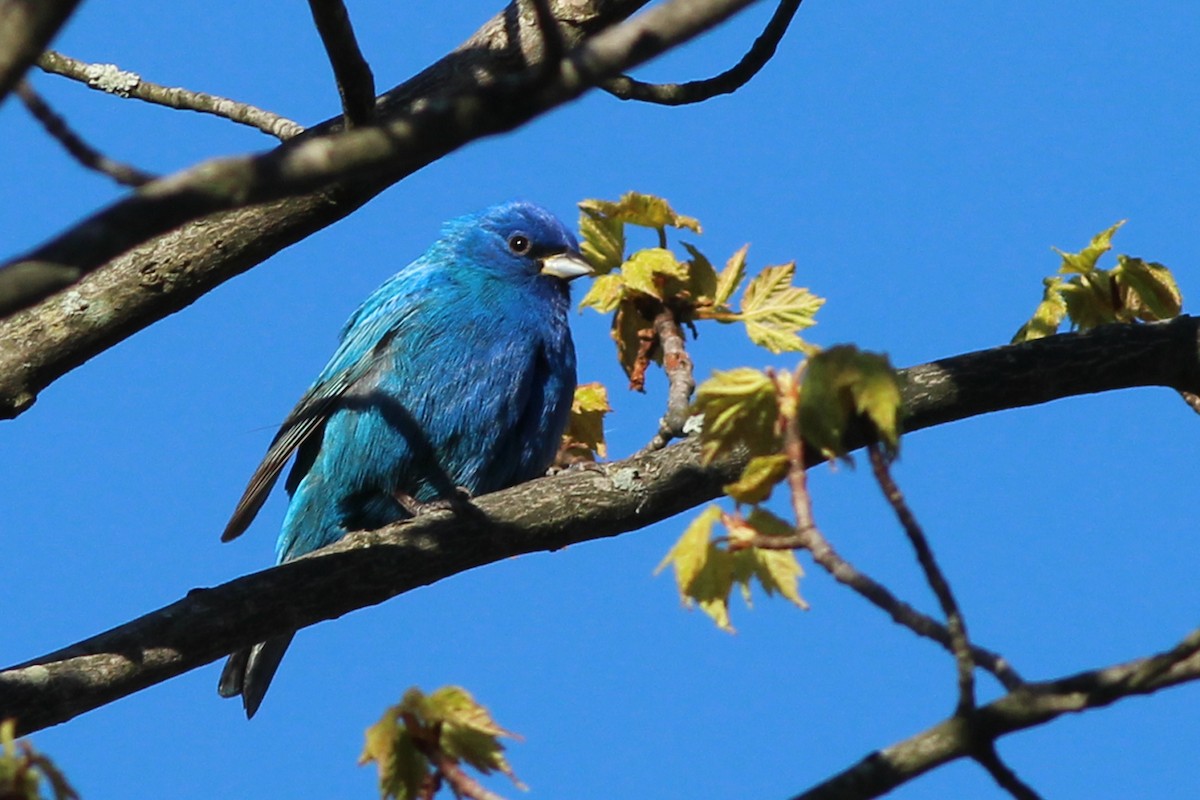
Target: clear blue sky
(917,159)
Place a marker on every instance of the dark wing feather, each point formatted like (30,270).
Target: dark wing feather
(306,418)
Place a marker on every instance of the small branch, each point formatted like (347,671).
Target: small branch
(80,150)
(1031,705)
(109,78)
(808,537)
(678,94)
(1004,777)
(933,574)
(25,31)
(681,381)
(356,84)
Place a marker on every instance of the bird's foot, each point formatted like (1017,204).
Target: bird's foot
(575,466)
(460,500)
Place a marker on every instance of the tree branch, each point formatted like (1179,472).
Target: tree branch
(356,84)
(155,271)
(729,81)
(1034,704)
(111,79)
(80,150)
(955,623)
(550,513)
(25,30)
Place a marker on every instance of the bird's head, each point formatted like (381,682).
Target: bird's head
(523,238)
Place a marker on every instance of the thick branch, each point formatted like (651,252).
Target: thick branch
(111,79)
(548,514)
(1034,704)
(25,31)
(729,81)
(38,346)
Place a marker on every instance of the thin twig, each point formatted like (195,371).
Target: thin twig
(734,78)
(1002,774)
(810,538)
(113,80)
(681,381)
(934,575)
(356,84)
(80,150)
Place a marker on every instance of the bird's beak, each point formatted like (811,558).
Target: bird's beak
(566,266)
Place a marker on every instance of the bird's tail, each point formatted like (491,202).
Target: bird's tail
(249,672)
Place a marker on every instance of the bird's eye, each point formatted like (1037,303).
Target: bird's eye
(519,244)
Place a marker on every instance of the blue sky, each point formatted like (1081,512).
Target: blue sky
(918,161)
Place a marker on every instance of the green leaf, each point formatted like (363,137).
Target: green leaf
(731,276)
(23,769)
(583,439)
(739,408)
(842,383)
(691,551)
(1085,260)
(779,573)
(603,240)
(1090,300)
(702,278)
(645,210)
(1047,316)
(759,477)
(468,732)
(605,293)
(1148,289)
(703,571)
(646,270)
(774,310)
(402,768)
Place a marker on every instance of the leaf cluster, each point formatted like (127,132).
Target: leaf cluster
(1133,291)
(765,413)
(706,570)
(23,770)
(650,280)
(423,740)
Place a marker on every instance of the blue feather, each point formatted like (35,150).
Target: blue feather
(458,371)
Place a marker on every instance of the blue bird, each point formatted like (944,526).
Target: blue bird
(458,371)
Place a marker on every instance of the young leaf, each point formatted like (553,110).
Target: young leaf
(402,768)
(603,240)
(646,269)
(842,383)
(633,334)
(739,408)
(645,210)
(774,310)
(759,477)
(1047,316)
(702,278)
(1085,260)
(703,571)
(606,292)
(584,438)
(691,551)
(468,732)
(731,276)
(1148,289)
(22,769)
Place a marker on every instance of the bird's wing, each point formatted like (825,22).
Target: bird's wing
(365,341)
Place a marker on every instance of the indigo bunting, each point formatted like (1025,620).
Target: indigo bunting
(458,372)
